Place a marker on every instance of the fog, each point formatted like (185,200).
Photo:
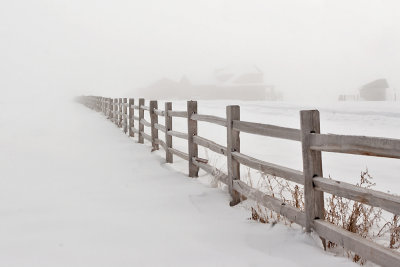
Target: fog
(310,50)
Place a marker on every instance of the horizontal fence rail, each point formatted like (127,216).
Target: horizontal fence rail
(182,114)
(361,145)
(270,168)
(371,197)
(267,130)
(178,134)
(124,112)
(209,118)
(210,145)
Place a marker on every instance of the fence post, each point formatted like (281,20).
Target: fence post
(141,116)
(192,131)
(106,106)
(312,167)
(153,120)
(131,102)
(111,109)
(125,114)
(168,138)
(233,145)
(114,111)
(119,112)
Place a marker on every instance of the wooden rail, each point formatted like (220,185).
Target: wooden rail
(180,154)
(361,145)
(370,197)
(363,247)
(209,118)
(178,134)
(160,127)
(146,136)
(121,112)
(269,168)
(182,114)
(145,123)
(267,130)
(210,145)
(220,175)
(270,202)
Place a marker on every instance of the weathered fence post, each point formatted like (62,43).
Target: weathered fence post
(141,116)
(233,145)
(111,111)
(106,106)
(153,120)
(131,102)
(109,108)
(125,114)
(192,131)
(168,138)
(116,111)
(312,167)
(119,112)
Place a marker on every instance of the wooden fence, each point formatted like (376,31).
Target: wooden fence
(313,143)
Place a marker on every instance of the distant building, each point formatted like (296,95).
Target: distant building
(377,90)
(374,91)
(225,83)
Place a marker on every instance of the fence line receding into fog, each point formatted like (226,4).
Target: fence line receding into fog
(124,112)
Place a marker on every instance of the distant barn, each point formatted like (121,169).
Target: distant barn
(374,91)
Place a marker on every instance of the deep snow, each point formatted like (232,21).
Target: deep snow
(74,191)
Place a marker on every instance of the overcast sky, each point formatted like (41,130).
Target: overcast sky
(314,49)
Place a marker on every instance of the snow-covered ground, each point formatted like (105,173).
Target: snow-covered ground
(74,191)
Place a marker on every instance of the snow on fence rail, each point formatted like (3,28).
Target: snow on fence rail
(313,143)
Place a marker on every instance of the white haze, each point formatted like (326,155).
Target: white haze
(310,50)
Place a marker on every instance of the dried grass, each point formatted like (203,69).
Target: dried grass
(353,216)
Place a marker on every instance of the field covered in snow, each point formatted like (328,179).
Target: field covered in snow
(74,191)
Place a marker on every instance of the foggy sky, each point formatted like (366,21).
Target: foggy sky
(313,49)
